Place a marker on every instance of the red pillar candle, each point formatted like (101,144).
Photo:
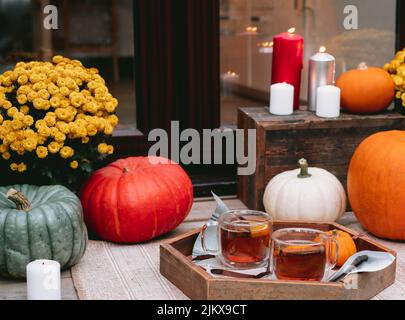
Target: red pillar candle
(287,65)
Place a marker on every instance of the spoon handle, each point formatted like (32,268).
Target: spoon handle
(352,267)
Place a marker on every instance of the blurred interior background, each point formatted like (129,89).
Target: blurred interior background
(248,27)
(98,32)
(196,61)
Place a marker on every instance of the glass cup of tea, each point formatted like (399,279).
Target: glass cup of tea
(244,238)
(303,254)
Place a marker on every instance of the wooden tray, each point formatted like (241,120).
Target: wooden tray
(196,283)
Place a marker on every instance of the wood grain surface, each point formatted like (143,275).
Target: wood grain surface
(326,143)
(202,209)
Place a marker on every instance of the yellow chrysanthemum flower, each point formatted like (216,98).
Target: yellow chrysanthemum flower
(62,113)
(108,130)
(43,94)
(22,167)
(7,105)
(109,106)
(54,131)
(17,124)
(53,147)
(64,91)
(34,78)
(66,152)
(57,59)
(25,109)
(91,130)
(22,99)
(50,119)
(74,164)
(6,155)
(42,152)
(28,121)
(55,102)
(113,120)
(19,116)
(44,131)
(102,148)
(32,95)
(23,79)
(24,90)
(63,127)
(60,137)
(30,144)
(12,111)
(10,137)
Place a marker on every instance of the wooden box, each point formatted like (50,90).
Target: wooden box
(176,265)
(326,143)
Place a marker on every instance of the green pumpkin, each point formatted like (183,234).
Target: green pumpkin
(39,223)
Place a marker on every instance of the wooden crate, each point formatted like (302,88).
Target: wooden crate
(176,265)
(326,143)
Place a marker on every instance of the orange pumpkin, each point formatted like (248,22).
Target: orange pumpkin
(366,90)
(346,246)
(376,181)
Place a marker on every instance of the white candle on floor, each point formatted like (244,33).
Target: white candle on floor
(281,99)
(328,102)
(43,280)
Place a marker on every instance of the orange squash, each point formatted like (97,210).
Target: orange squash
(346,246)
(376,184)
(366,90)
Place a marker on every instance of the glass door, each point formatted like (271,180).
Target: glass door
(353,31)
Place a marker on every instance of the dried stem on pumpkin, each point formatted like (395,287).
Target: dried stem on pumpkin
(19,199)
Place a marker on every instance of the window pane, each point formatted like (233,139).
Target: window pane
(248,27)
(97,32)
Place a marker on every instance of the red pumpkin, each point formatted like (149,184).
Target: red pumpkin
(136,199)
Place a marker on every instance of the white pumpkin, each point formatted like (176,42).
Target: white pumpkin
(305,194)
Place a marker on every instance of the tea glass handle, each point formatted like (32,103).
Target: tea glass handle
(334,250)
(203,236)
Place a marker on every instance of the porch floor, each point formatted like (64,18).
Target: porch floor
(201,211)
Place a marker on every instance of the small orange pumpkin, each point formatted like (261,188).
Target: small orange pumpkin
(346,246)
(366,90)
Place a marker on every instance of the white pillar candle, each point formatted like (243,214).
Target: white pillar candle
(328,102)
(281,99)
(43,280)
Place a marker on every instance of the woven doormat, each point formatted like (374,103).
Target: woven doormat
(115,272)
(131,272)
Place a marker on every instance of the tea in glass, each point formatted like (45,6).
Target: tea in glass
(302,254)
(244,238)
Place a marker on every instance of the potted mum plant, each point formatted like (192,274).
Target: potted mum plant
(55,119)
